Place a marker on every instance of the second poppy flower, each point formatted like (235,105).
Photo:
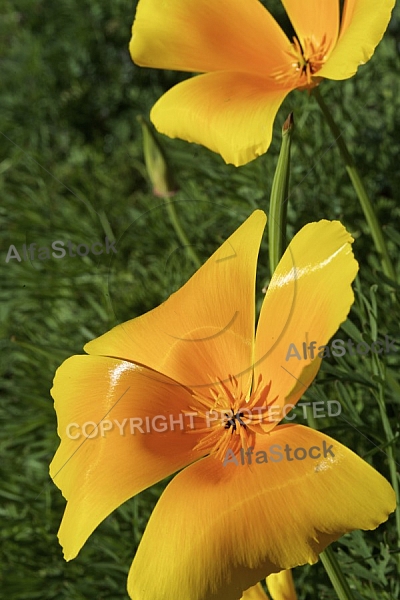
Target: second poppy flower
(249,63)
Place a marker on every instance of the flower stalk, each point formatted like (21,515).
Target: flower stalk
(180,233)
(279,198)
(365,202)
(335,574)
(163,183)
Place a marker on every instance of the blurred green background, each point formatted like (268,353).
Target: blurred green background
(71,168)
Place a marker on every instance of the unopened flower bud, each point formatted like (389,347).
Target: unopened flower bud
(156,163)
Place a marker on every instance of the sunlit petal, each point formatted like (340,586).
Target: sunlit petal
(228,112)
(205,35)
(308,297)
(238,524)
(363,24)
(111,416)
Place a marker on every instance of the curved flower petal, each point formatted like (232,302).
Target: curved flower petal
(111,416)
(308,297)
(314,20)
(204,35)
(363,24)
(256,592)
(234,522)
(281,586)
(205,330)
(230,113)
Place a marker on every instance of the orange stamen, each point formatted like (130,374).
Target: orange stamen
(240,419)
(307,61)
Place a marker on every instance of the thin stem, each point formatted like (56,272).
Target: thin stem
(390,450)
(164,186)
(359,188)
(279,198)
(173,217)
(335,574)
(378,369)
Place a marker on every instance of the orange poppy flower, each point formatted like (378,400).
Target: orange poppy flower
(248,63)
(194,363)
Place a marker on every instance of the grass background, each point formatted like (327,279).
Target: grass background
(71,168)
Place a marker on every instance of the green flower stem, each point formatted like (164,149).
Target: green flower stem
(378,370)
(173,217)
(390,453)
(359,188)
(279,198)
(161,177)
(327,556)
(335,574)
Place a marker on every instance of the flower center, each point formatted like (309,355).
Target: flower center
(307,60)
(228,418)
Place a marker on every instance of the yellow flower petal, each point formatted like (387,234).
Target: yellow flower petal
(228,112)
(308,297)
(281,586)
(314,20)
(238,524)
(127,453)
(204,35)
(256,592)
(205,330)
(363,24)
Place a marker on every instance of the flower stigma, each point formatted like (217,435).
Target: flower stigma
(230,419)
(307,60)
